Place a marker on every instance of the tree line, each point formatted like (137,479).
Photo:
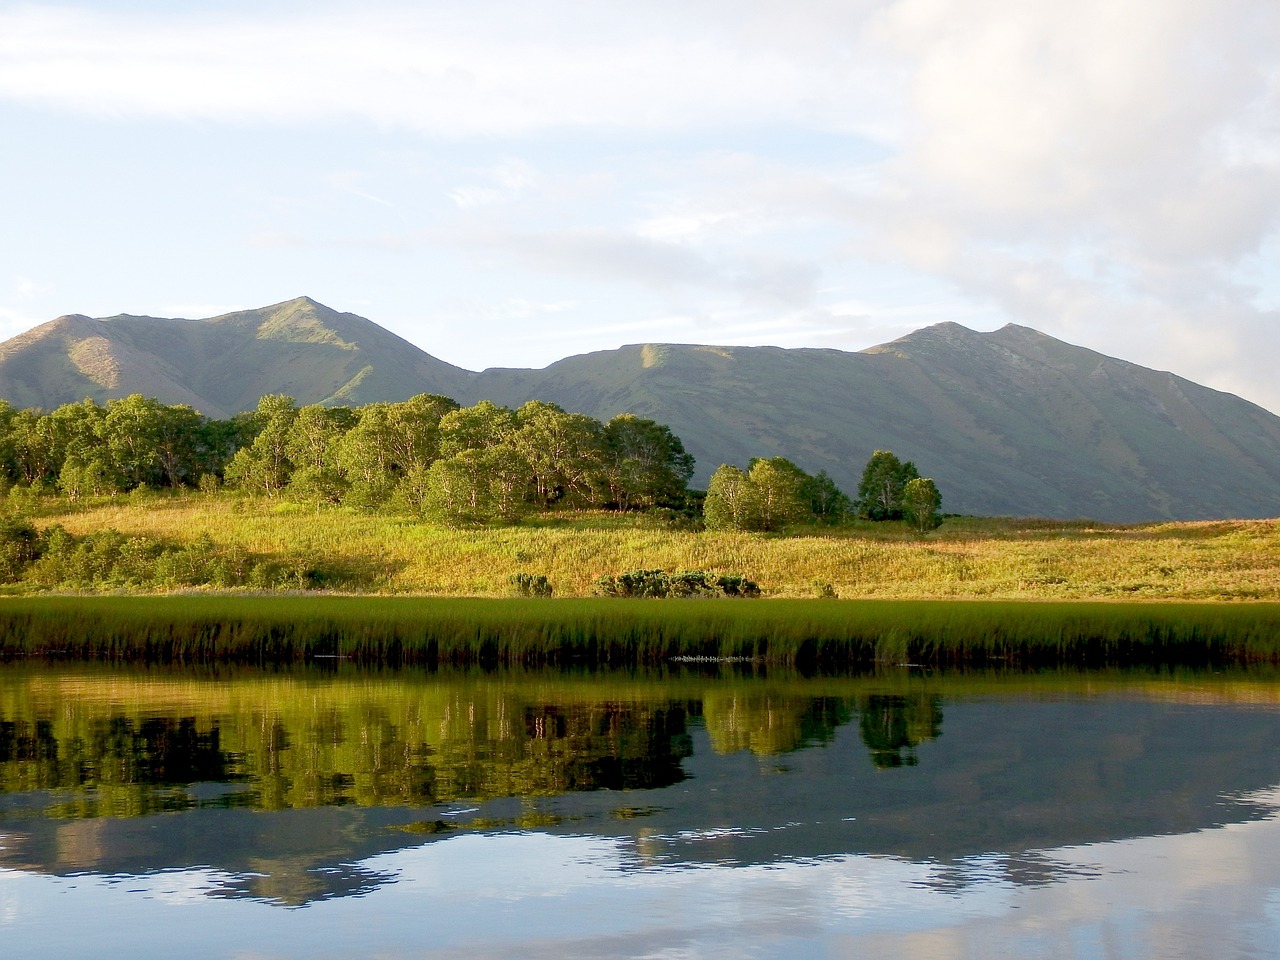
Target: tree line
(427,454)
(432,457)
(773,494)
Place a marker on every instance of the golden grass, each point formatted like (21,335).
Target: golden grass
(965,558)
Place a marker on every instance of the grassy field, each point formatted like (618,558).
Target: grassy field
(964,559)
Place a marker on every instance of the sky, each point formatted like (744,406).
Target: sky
(509,183)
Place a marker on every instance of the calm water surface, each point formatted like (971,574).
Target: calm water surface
(684,814)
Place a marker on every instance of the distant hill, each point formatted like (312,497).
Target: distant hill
(1009,422)
(221,365)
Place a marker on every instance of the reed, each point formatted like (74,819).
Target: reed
(201,628)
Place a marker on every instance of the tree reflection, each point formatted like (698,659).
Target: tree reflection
(892,726)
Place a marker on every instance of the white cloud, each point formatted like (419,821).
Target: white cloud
(1106,170)
(504,183)
(447,69)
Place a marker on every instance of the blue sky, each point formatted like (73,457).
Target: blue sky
(506,183)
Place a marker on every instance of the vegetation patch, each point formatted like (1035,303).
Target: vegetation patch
(682,583)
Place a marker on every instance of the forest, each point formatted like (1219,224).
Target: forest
(430,457)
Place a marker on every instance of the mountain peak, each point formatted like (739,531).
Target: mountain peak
(1010,421)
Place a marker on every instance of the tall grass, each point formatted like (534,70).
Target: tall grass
(966,558)
(605,632)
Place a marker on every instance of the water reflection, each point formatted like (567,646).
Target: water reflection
(288,787)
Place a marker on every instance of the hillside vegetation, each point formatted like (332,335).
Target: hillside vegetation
(1006,422)
(342,550)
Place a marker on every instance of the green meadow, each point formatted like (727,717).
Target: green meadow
(380,589)
(340,550)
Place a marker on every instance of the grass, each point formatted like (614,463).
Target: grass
(431,595)
(609,632)
(965,559)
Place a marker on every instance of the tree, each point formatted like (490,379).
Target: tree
(565,451)
(883,480)
(779,486)
(768,498)
(475,428)
(131,428)
(388,443)
(311,446)
(475,486)
(645,463)
(921,502)
(34,446)
(731,502)
(827,503)
(265,465)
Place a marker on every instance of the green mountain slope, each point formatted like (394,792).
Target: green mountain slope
(1009,422)
(221,365)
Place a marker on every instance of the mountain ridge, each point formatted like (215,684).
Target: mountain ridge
(1007,422)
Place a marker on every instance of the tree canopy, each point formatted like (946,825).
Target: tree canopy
(773,494)
(880,491)
(427,454)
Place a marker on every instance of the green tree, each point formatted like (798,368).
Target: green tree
(645,463)
(8,464)
(82,478)
(265,465)
(565,453)
(475,428)
(921,503)
(389,442)
(132,429)
(883,480)
(476,486)
(182,444)
(731,502)
(828,504)
(34,446)
(779,486)
(79,431)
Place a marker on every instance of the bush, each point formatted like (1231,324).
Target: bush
(19,547)
(530,585)
(682,583)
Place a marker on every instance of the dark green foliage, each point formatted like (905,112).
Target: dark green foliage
(828,504)
(530,585)
(19,547)
(682,583)
(645,463)
(880,491)
(497,463)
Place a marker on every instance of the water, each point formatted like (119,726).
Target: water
(682,814)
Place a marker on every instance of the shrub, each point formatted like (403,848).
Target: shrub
(682,583)
(530,585)
(19,547)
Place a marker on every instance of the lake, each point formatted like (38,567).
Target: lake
(699,810)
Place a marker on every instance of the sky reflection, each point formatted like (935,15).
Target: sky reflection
(1214,892)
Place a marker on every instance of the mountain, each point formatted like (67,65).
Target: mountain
(222,365)
(1008,422)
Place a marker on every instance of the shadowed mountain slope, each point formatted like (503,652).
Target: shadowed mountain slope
(1009,422)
